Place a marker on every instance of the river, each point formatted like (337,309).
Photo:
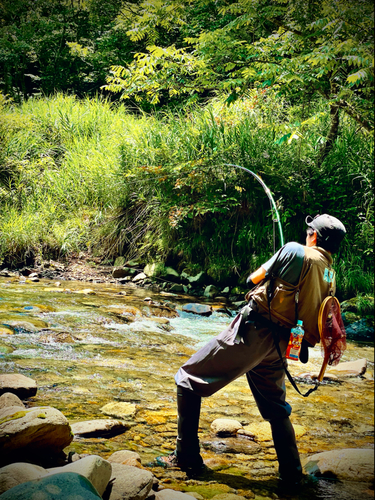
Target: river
(90,344)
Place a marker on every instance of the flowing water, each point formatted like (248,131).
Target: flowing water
(87,345)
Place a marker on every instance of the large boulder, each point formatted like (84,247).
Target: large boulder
(168,494)
(23,387)
(350,368)
(97,470)
(54,487)
(348,464)
(13,474)
(128,483)
(32,430)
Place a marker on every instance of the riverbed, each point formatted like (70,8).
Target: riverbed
(90,344)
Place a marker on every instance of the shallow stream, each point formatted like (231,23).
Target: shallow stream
(89,344)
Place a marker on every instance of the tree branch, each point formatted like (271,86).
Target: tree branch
(345,106)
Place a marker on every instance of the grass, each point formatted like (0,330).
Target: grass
(86,174)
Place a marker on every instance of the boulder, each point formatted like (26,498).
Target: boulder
(99,427)
(128,483)
(23,387)
(18,473)
(359,330)
(239,444)
(97,470)
(199,309)
(123,272)
(225,427)
(350,368)
(262,431)
(168,494)
(68,485)
(32,430)
(119,410)
(10,399)
(348,464)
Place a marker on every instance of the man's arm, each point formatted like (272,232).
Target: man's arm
(256,277)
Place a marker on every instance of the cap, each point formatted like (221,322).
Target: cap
(330,229)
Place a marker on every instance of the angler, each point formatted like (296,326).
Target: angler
(290,286)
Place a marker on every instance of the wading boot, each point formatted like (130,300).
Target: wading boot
(284,439)
(186,455)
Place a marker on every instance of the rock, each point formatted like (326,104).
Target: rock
(60,337)
(99,427)
(128,483)
(17,473)
(210,291)
(121,456)
(139,277)
(162,311)
(68,485)
(348,464)
(30,325)
(238,444)
(23,387)
(10,399)
(359,330)
(262,431)
(119,410)
(359,305)
(169,274)
(32,430)
(199,309)
(225,427)
(97,470)
(168,494)
(350,368)
(123,272)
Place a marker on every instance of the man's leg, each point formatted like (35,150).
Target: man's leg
(267,383)
(188,408)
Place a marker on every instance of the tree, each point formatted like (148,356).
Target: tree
(307,50)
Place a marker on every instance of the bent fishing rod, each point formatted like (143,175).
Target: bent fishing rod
(274,211)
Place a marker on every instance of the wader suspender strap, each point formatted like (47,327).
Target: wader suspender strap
(275,337)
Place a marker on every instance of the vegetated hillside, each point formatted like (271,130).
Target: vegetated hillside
(89,175)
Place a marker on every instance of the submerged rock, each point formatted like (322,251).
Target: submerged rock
(119,410)
(239,444)
(55,487)
(347,464)
(23,387)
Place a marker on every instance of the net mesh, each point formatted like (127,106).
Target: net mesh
(332,331)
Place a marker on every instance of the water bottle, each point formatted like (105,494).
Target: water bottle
(295,341)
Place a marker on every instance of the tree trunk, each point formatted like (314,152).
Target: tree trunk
(332,135)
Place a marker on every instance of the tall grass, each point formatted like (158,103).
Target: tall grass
(86,174)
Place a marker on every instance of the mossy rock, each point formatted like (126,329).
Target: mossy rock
(362,305)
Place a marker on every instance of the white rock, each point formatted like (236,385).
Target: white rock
(123,456)
(348,464)
(97,470)
(18,473)
(222,426)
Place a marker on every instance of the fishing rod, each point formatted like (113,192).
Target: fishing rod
(271,200)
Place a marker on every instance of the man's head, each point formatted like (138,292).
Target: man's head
(329,231)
